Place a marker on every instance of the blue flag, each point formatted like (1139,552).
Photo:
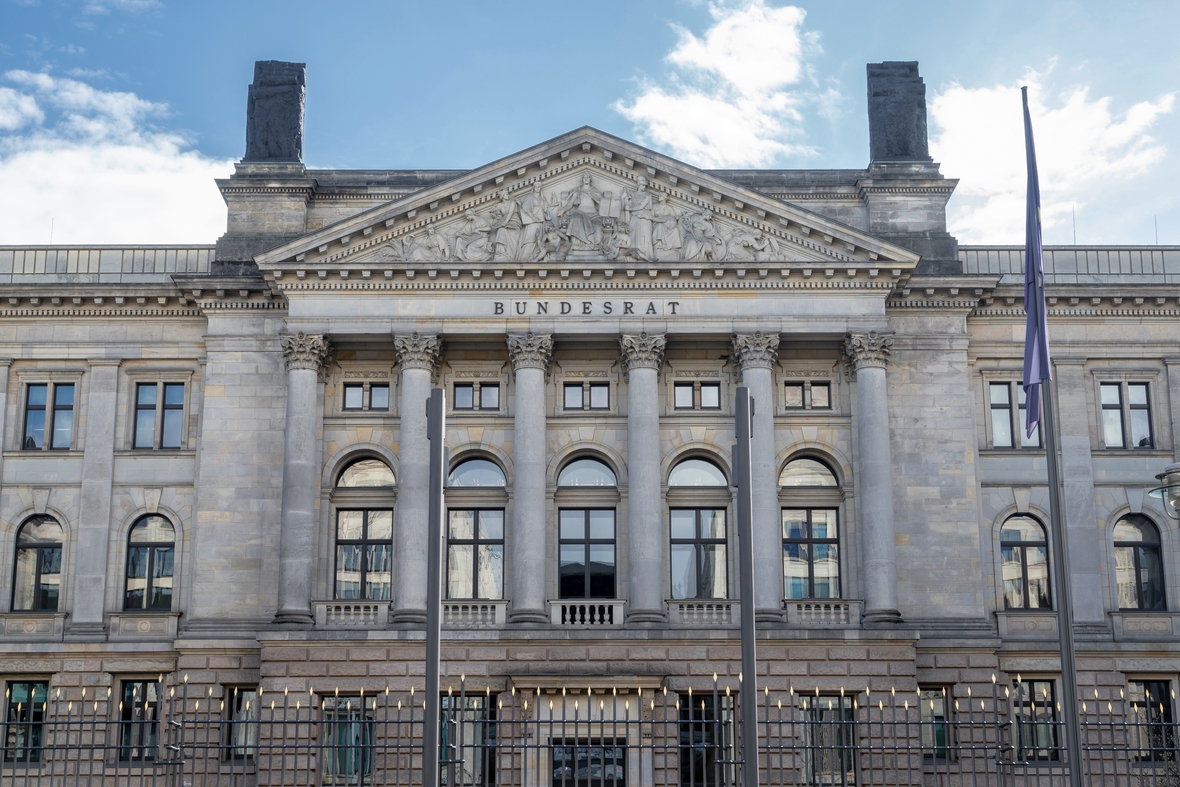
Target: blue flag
(1036,331)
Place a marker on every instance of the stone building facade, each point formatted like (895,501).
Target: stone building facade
(215,466)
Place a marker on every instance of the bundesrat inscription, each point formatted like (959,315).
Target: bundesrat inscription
(576,308)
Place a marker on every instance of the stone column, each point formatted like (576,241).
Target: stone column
(94,518)
(417,354)
(530,354)
(755,354)
(868,354)
(305,354)
(1173,365)
(642,356)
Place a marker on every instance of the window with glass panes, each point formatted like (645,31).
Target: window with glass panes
(706,740)
(698,395)
(1139,572)
(1034,711)
(151,548)
(366,396)
(159,415)
(469,733)
(829,734)
(1008,422)
(49,411)
(36,585)
(586,546)
(936,732)
(811,553)
(698,553)
(348,739)
(1153,731)
(586,396)
(24,720)
(475,554)
(1126,415)
(364,545)
(1024,558)
(139,715)
(476,396)
(807,395)
(241,722)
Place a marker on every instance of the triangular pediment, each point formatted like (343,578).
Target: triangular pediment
(584,197)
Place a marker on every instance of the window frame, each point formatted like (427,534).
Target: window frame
(1153,719)
(698,542)
(50,410)
(233,725)
(1051,752)
(128,723)
(811,541)
(160,410)
(364,716)
(587,389)
(1023,546)
(33,744)
(701,719)
(1015,416)
(40,550)
(935,751)
(363,543)
(806,397)
(475,542)
(152,547)
(696,391)
(586,542)
(1136,547)
(477,388)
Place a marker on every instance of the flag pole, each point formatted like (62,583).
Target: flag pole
(1038,374)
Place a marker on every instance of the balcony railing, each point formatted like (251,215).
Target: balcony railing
(592,613)
(351,614)
(823,613)
(473,614)
(709,614)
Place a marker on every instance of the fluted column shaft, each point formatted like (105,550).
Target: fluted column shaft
(868,354)
(305,353)
(756,354)
(530,354)
(642,355)
(417,355)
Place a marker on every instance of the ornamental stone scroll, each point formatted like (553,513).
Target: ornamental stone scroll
(417,351)
(305,350)
(868,350)
(642,350)
(756,350)
(530,350)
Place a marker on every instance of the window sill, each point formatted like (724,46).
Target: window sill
(33,625)
(1027,624)
(1133,624)
(144,624)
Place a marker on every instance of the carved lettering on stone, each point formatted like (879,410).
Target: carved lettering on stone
(530,350)
(870,349)
(642,350)
(305,350)
(754,350)
(417,351)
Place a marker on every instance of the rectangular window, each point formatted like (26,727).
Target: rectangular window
(1153,731)
(354,397)
(1139,415)
(1034,705)
(829,737)
(793,396)
(682,394)
(489,396)
(139,717)
(599,396)
(469,733)
(1112,415)
(164,408)
(808,395)
(586,545)
(696,396)
(710,396)
(1126,415)
(464,396)
(348,740)
(379,396)
(706,740)
(364,545)
(1026,440)
(811,553)
(24,720)
(821,398)
(698,553)
(936,732)
(363,396)
(145,415)
(475,554)
(1008,422)
(37,585)
(241,722)
(41,418)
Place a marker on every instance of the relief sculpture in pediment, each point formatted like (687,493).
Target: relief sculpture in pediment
(584,220)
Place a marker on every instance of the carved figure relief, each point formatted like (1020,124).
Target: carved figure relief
(577,218)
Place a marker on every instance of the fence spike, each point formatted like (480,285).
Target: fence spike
(83,692)
(993,678)
(272,705)
(69,706)
(1019,680)
(968,691)
(186,677)
(739,677)
(780,704)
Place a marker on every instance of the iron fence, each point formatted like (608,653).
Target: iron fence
(167,733)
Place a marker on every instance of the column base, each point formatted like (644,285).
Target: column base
(416,617)
(888,616)
(769,615)
(295,619)
(646,616)
(528,617)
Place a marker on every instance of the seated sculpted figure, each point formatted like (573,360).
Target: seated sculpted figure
(579,212)
(472,243)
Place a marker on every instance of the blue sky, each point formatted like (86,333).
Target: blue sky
(115,115)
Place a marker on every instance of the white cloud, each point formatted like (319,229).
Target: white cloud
(106,6)
(978,136)
(91,162)
(727,102)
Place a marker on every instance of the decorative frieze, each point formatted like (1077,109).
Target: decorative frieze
(306,350)
(868,349)
(417,351)
(530,350)
(755,350)
(642,350)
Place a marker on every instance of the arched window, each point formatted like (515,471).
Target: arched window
(585,532)
(1138,568)
(696,472)
(477,473)
(37,584)
(365,473)
(1024,558)
(586,472)
(807,472)
(151,546)
(364,531)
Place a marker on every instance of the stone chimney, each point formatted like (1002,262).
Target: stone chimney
(897,113)
(274,112)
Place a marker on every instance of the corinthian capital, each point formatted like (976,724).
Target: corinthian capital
(530,350)
(866,350)
(755,350)
(417,351)
(642,350)
(305,350)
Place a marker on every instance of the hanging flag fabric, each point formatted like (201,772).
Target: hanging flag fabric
(1036,331)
